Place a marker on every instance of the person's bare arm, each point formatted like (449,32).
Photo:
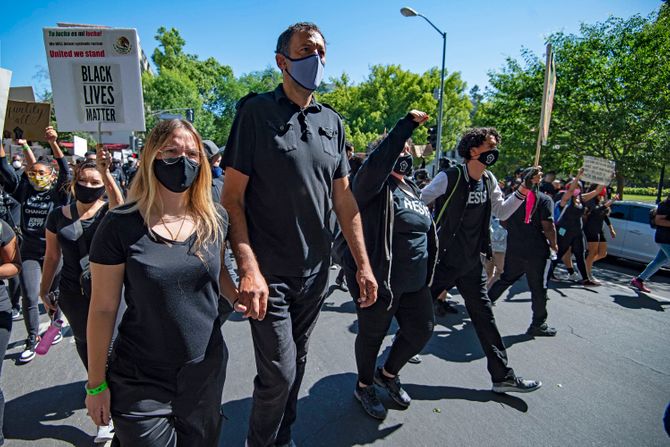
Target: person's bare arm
(105,299)
(103,160)
(662,221)
(590,195)
(52,138)
(11,260)
(550,233)
(253,289)
(349,219)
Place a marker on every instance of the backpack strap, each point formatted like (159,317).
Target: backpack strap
(444,207)
(76,221)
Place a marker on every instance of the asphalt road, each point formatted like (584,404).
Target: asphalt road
(606,378)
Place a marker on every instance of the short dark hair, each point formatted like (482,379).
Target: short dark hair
(285,37)
(474,138)
(348,146)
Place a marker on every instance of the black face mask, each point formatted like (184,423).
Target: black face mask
(489,158)
(403,165)
(84,194)
(177,176)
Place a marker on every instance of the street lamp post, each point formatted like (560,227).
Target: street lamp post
(409,12)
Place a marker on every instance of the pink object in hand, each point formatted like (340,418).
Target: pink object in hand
(530,203)
(48,337)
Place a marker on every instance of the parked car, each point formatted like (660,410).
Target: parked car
(634,236)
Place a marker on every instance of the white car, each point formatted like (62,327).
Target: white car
(634,236)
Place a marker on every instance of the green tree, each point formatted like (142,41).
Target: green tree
(612,99)
(389,92)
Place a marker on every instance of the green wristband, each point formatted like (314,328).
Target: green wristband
(97,390)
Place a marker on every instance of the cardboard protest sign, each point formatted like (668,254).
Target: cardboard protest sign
(95,78)
(27,119)
(5,79)
(598,170)
(80,146)
(21,94)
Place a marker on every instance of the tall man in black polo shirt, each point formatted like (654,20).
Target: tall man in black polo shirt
(529,238)
(286,171)
(468,195)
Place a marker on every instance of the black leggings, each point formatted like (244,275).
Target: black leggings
(414,313)
(571,240)
(75,307)
(5,332)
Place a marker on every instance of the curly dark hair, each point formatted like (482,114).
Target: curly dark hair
(474,138)
(285,37)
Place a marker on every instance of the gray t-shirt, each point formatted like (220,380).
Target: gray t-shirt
(291,156)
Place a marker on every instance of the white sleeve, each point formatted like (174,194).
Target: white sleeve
(503,208)
(436,188)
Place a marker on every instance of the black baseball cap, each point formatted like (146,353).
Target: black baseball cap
(211,149)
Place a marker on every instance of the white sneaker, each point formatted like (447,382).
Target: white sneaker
(575,277)
(105,433)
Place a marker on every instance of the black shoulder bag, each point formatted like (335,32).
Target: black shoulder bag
(85,276)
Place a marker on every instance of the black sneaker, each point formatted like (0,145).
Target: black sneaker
(516,385)
(443,308)
(393,387)
(29,352)
(371,404)
(541,331)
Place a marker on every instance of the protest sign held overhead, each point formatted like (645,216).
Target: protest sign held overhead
(598,170)
(26,120)
(22,94)
(5,79)
(95,77)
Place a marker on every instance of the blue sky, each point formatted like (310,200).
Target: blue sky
(242,34)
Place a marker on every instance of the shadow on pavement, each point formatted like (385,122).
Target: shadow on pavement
(22,421)
(328,416)
(641,301)
(432,392)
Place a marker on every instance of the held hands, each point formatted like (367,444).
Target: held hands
(419,116)
(367,286)
(253,295)
(50,134)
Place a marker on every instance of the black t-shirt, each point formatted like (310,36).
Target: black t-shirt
(527,240)
(6,236)
(572,217)
(468,241)
(597,214)
(10,210)
(411,224)
(291,156)
(68,234)
(171,293)
(663,233)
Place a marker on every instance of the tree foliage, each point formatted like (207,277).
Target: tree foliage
(389,92)
(612,99)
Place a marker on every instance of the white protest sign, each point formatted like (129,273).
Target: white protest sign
(5,79)
(598,170)
(80,146)
(95,78)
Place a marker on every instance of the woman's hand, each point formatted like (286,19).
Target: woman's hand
(419,116)
(103,159)
(98,407)
(51,135)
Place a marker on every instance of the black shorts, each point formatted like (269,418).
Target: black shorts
(595,236)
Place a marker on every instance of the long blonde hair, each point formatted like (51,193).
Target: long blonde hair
(144,197)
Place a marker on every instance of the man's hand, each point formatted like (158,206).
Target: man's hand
(419,116)
(253,294)
(367,284)
(51,135)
